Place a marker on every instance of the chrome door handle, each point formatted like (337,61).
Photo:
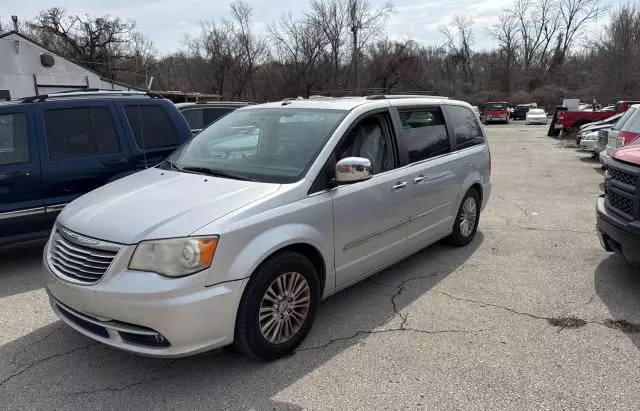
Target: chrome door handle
(399,186)
(419,180)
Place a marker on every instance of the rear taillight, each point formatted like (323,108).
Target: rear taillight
(626,137)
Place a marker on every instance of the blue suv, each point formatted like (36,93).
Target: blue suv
(55,148)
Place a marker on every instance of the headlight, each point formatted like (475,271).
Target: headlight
(176,257)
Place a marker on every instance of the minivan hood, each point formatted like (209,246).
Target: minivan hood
(158,203)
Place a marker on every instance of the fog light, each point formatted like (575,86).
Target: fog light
(158,338)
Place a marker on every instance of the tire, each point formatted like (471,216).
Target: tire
(248,336)
(458,237)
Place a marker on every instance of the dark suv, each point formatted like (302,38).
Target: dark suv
(200,115)
(55,148)
(619,208)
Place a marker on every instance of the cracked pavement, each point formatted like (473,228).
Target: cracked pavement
(447,328)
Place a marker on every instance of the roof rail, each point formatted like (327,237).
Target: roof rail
(398,96)
(89,92)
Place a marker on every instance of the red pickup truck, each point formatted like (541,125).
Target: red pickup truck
(570,121)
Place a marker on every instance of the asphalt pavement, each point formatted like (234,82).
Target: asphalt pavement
(524,317)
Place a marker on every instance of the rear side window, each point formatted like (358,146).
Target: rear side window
(14,147)
(194,117)
(151,127)
(213,114)
(425,132)
(466,128)
(78,132)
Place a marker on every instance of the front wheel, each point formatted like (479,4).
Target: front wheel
(466,223)
(278,307)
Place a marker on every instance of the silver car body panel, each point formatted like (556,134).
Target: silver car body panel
(357,229)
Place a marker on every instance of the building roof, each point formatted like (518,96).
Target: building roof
(29,39)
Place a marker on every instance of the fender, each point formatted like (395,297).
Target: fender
(260,247)
(473,178)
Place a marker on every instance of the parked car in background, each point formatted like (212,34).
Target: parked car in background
(618,210)
(626,131)
(55,148)
(569,122)
(495,111)
(536,116)
(596,126)
(589,142)
(200,115)
(249,239)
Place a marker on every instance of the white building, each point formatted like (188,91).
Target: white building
(28,69)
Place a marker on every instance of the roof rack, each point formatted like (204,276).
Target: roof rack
(397,96)
(89,92)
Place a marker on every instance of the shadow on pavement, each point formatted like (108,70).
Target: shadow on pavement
(20,267)
(57,367)
(618,286)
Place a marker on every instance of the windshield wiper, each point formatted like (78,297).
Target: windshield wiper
(214,172)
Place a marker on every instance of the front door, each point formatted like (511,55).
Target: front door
(370,217)
(21,199)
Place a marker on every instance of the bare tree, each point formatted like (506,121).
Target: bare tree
(458,41)
(331,17)
(92,41)
(253,50)
(574,16)
(505,32)
(365,24)
(299,44)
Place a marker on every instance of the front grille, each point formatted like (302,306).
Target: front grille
(620,203)
(623,177)
(78,258)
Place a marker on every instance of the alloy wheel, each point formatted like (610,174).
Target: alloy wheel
(284,307)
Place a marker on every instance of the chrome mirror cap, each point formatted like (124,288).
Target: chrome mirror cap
(353,169)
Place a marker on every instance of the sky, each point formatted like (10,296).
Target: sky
(166,22)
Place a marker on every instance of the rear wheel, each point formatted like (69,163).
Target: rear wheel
(466,223)
(278,307)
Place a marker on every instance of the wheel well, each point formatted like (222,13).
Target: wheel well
(312,254)
(478,188)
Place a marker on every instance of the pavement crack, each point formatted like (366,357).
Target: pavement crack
(134,384)
(27,366)
(483,303)
(524,210)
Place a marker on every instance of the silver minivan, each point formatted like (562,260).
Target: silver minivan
(239,234)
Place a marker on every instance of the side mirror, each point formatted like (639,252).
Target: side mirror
(352,170)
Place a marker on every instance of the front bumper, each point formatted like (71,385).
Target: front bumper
(535,121)
(604,158)
(588,145)
(129,310)
(614,238)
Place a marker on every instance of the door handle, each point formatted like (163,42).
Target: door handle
(14,175)
(419,180)
(399,186)
(115,163)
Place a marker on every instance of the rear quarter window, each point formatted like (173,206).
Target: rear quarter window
(151,127)
(466,129)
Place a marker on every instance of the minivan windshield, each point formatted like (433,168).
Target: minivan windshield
(273,145)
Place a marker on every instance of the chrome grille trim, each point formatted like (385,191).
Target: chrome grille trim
(79,259)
